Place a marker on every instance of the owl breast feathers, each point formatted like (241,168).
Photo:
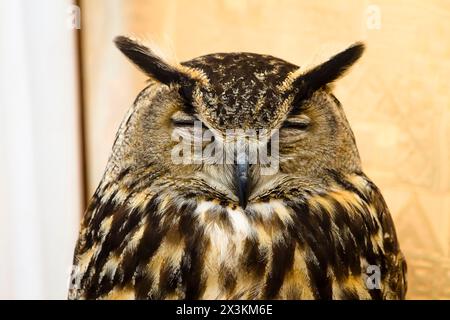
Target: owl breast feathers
(313,227)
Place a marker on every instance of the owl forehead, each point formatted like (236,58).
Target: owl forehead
(243,87)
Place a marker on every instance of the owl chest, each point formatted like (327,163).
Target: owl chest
(264,253)
(250,256)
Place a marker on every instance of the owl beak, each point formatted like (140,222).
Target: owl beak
(242,183)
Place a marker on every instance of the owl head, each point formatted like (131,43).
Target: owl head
(195,129)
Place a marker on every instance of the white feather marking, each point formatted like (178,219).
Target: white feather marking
(264,209)
(283,213)
(240,223)
(110,267)
(219,240)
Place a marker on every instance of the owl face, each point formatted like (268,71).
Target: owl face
(209,123)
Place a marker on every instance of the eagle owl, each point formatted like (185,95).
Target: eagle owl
(316,227)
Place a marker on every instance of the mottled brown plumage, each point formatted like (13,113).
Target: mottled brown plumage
(159,230)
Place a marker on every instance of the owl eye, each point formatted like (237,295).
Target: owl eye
(298,123)
(182,119)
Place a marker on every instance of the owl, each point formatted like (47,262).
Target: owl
(173,218)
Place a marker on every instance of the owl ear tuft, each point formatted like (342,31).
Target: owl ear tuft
(329,71)
(149,62)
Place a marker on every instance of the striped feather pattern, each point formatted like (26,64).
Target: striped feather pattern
(147,241)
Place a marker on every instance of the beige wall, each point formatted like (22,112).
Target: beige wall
(397,98)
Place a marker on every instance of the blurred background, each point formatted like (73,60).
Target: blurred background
(64,89)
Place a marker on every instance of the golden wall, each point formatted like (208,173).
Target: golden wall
(397,97)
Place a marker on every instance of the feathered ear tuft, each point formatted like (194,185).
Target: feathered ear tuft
(329,71)
(147,61)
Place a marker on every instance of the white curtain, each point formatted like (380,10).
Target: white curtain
(40,171)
